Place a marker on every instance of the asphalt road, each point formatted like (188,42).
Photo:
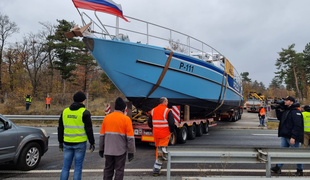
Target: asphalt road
(243,133)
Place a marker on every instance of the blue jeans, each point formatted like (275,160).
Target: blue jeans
(78,152)
(285,142)
(262,121)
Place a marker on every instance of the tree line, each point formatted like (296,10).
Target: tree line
(48,62)
(293,71)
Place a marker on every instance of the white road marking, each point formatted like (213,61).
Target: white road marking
(264,134)
(146,170)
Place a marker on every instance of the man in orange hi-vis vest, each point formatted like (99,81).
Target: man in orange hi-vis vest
(261,115)
(116,139)
(162,121)
(48,101)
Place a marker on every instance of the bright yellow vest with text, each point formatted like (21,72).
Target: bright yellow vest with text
(306,116)
(74,131)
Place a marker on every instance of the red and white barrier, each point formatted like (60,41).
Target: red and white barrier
(125,111)
(176,113)
(107,109)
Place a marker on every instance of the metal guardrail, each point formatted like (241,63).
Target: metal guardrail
(237,155)
(273,120)
(44,117)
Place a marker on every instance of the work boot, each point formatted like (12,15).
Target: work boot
(298,173)
(165,153)
(156,168)
(276,169)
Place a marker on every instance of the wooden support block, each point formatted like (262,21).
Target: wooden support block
(129,109)
(85,27)
(186,112)
(69,35)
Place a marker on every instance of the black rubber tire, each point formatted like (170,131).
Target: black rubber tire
(34,150)
(231,119)
(199,130)
(182,135)
(173,138)
(191,132)
(234,117)
(205,127)
(239,116)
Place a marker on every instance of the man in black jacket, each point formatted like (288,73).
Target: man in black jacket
(291,129)
(74,129)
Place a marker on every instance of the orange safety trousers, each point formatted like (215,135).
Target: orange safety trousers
(161,142)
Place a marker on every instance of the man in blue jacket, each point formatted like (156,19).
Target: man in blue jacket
(291,129)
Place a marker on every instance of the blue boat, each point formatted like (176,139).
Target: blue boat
(200,77)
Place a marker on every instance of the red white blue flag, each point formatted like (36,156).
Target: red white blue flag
(106,6)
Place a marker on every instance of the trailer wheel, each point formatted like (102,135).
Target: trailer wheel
(199,130)
(173,138)
(182,135)
(192,132)
(239,116)
(236,116)
(206,127)
(231,119)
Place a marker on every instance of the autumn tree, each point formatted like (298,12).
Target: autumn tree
(86,61)
(15,67)
(7,28)
(276,89)
(110,86)
(36,46)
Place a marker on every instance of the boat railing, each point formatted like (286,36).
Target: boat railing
(191,44)
(188,45)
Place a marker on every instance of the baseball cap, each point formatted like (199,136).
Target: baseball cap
(290,98)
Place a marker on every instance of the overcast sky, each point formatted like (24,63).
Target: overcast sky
(250,33)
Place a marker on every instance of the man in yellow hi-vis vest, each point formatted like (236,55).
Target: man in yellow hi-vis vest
(28,101)
(306,115)
(74,128)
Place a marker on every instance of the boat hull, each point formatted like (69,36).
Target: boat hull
(135,69)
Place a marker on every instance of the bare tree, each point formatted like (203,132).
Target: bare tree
(177,46)
(11,58)
(35,44)
(7,28)
(49,30)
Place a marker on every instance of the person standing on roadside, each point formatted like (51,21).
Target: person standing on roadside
(28,101)
(261,115)
(162,121)
(116,139)
(306,115)
(291,129)
(74,128)
(48,102)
